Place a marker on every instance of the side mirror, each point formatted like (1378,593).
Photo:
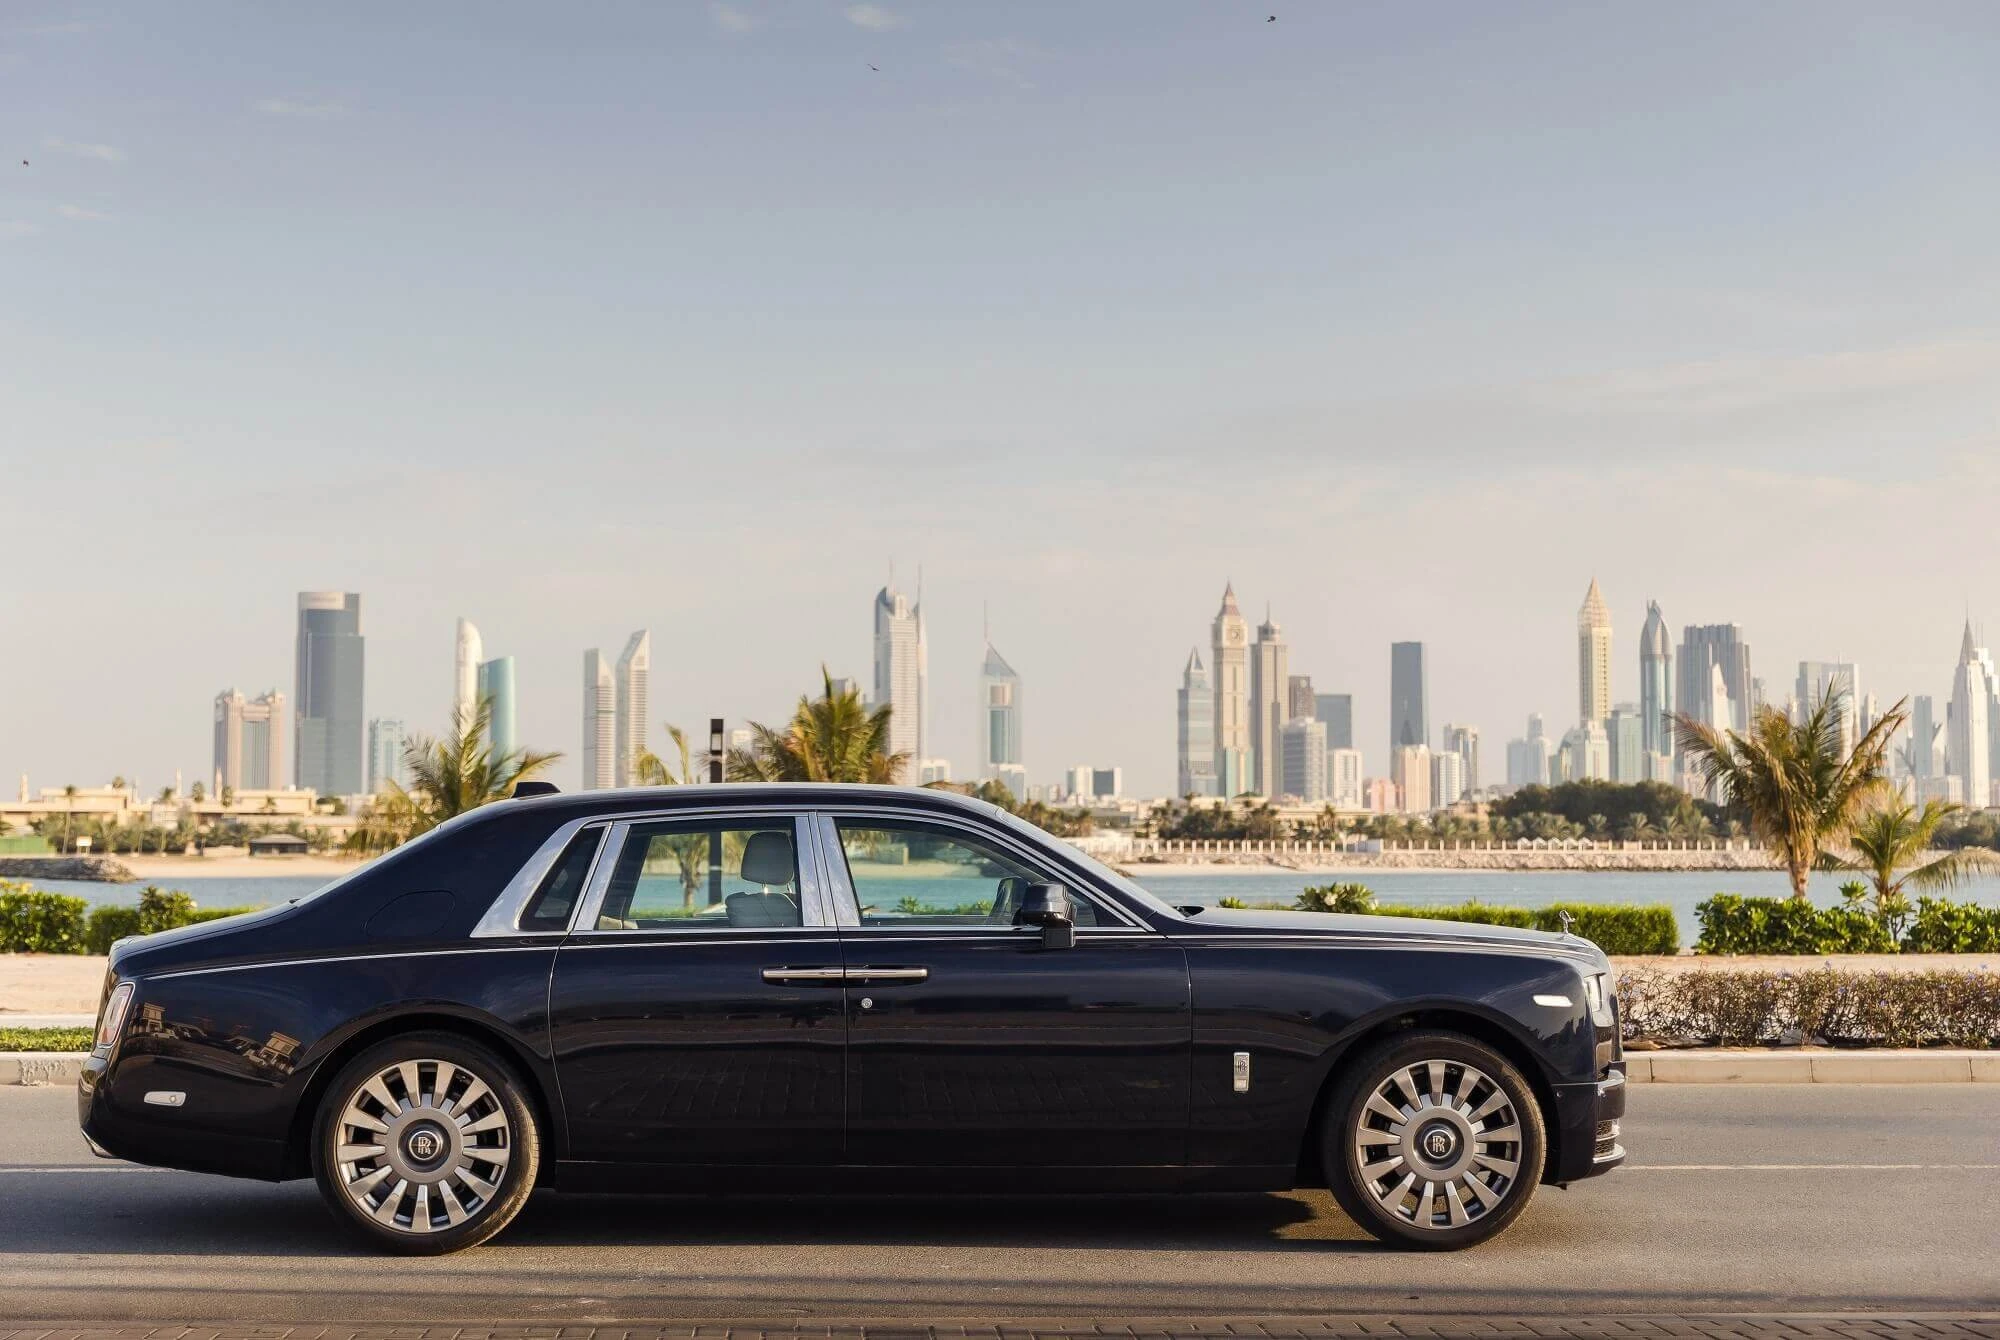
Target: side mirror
(1047,906)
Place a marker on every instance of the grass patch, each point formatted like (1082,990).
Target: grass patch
(46,1039)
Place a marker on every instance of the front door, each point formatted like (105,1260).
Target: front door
(969,1043)
(696,1012)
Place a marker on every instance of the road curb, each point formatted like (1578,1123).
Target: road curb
(1728,1066)
(1711,1066)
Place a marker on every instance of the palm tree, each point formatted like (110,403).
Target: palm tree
(691,850)
(831,738)
(69,810)
(1799,792)
(460,772)
(1894,834)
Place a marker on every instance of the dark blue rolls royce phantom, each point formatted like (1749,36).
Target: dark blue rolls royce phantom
(827,987)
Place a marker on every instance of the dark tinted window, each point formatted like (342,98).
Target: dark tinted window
(550,908)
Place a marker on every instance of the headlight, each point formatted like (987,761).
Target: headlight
(112,1020)
(1597,991)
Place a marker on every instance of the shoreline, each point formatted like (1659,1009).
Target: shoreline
(234,864)
(1579,863)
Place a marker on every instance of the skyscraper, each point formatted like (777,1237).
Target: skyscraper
(1300,700)
(1230,654)
(1344,782)
(495,686)
(600,722)
(1410,769)
(1447,778)
(1409,697)
(1720,647)
(1656,683)
(1000,757)
(1194,739)
(329,666)
(1302,760)
(1270,687)
(1627,729)
(1528,758)
(466,660)
(635,670)
(1593,656)
(1587,753)
(1921,754)
(1464,742)
(900,672)
(1967,744)
(250,741)
(385,755)
(1819,680)
(1337,711)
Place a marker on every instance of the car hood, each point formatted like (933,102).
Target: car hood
(1413,929)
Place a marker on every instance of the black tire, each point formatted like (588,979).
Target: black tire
(1472,1197)
(459,1188)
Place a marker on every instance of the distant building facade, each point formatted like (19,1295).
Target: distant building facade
(1593,656)
(496,688)
(1302,758)
(1464,742)
(1968,744)
(1626,729)
(901,672)
(1717,648)
(1447,778)
(386,765)
(330,665)
(469,652)
(631,705)
(1410,770)
(1194,735)
(1345,784)
(1528,757)
(1000,757)
(1230,656)
(1337,711)
(1270,686)
(1409,697)
(1656,683)
(600,722)
(250,741)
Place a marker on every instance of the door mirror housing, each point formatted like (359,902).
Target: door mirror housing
(1047,906)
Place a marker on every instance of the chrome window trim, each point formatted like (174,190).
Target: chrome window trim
(811,901)
(503,917)
(850,903)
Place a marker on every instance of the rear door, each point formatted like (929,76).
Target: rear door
(969,1043)
(697,1012)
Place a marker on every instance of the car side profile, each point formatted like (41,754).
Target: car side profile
(840,987)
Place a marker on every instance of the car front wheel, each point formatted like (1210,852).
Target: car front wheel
(426,1144)
(1433,1140)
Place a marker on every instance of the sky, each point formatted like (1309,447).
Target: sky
(1408,320)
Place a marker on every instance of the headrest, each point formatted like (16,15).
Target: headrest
(767,859)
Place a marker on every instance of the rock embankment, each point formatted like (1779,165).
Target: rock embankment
(101,869)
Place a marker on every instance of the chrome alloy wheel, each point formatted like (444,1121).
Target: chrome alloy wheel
(422,1146)
(1439,1144)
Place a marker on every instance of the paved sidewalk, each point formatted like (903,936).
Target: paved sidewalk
(1802,1326)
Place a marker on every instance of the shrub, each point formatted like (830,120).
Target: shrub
(1615,928)
(164,909)
(1337,898)
(1733,924)
(47,1039)
(108,925)
(1941,927)
(33,922)
(1831,1005)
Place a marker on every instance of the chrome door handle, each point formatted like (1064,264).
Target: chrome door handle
(805,976)
(888,974)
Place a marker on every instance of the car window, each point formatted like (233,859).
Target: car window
(703,876)
(550,908)
(917,875)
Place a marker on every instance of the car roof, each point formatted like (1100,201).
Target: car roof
(805,794)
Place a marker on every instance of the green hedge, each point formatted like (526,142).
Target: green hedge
(1830,1005)
(1615,928)
(1733,924)
(33,922)
(47,1039)
(1941,927)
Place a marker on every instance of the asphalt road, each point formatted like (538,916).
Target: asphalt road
(1737,1199)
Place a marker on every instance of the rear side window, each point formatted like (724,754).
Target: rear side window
(550,908)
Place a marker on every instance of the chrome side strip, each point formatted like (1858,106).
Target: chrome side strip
(544,948)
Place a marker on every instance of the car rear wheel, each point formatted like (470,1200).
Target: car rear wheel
(426,1144)
(1433,1140)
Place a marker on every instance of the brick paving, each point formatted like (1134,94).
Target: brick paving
(1788,1326)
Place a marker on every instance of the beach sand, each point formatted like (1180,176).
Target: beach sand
(233,864)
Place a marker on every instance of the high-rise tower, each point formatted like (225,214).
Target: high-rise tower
(600,717)
(329,669)
(1716,646)
(1270,689)
(635,671)
(1409,697)
(1967,747)
(466,659)
(900,674)
(1230,655)
(1000,757)
(1656,684)
(1194,738)
(1593,656)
